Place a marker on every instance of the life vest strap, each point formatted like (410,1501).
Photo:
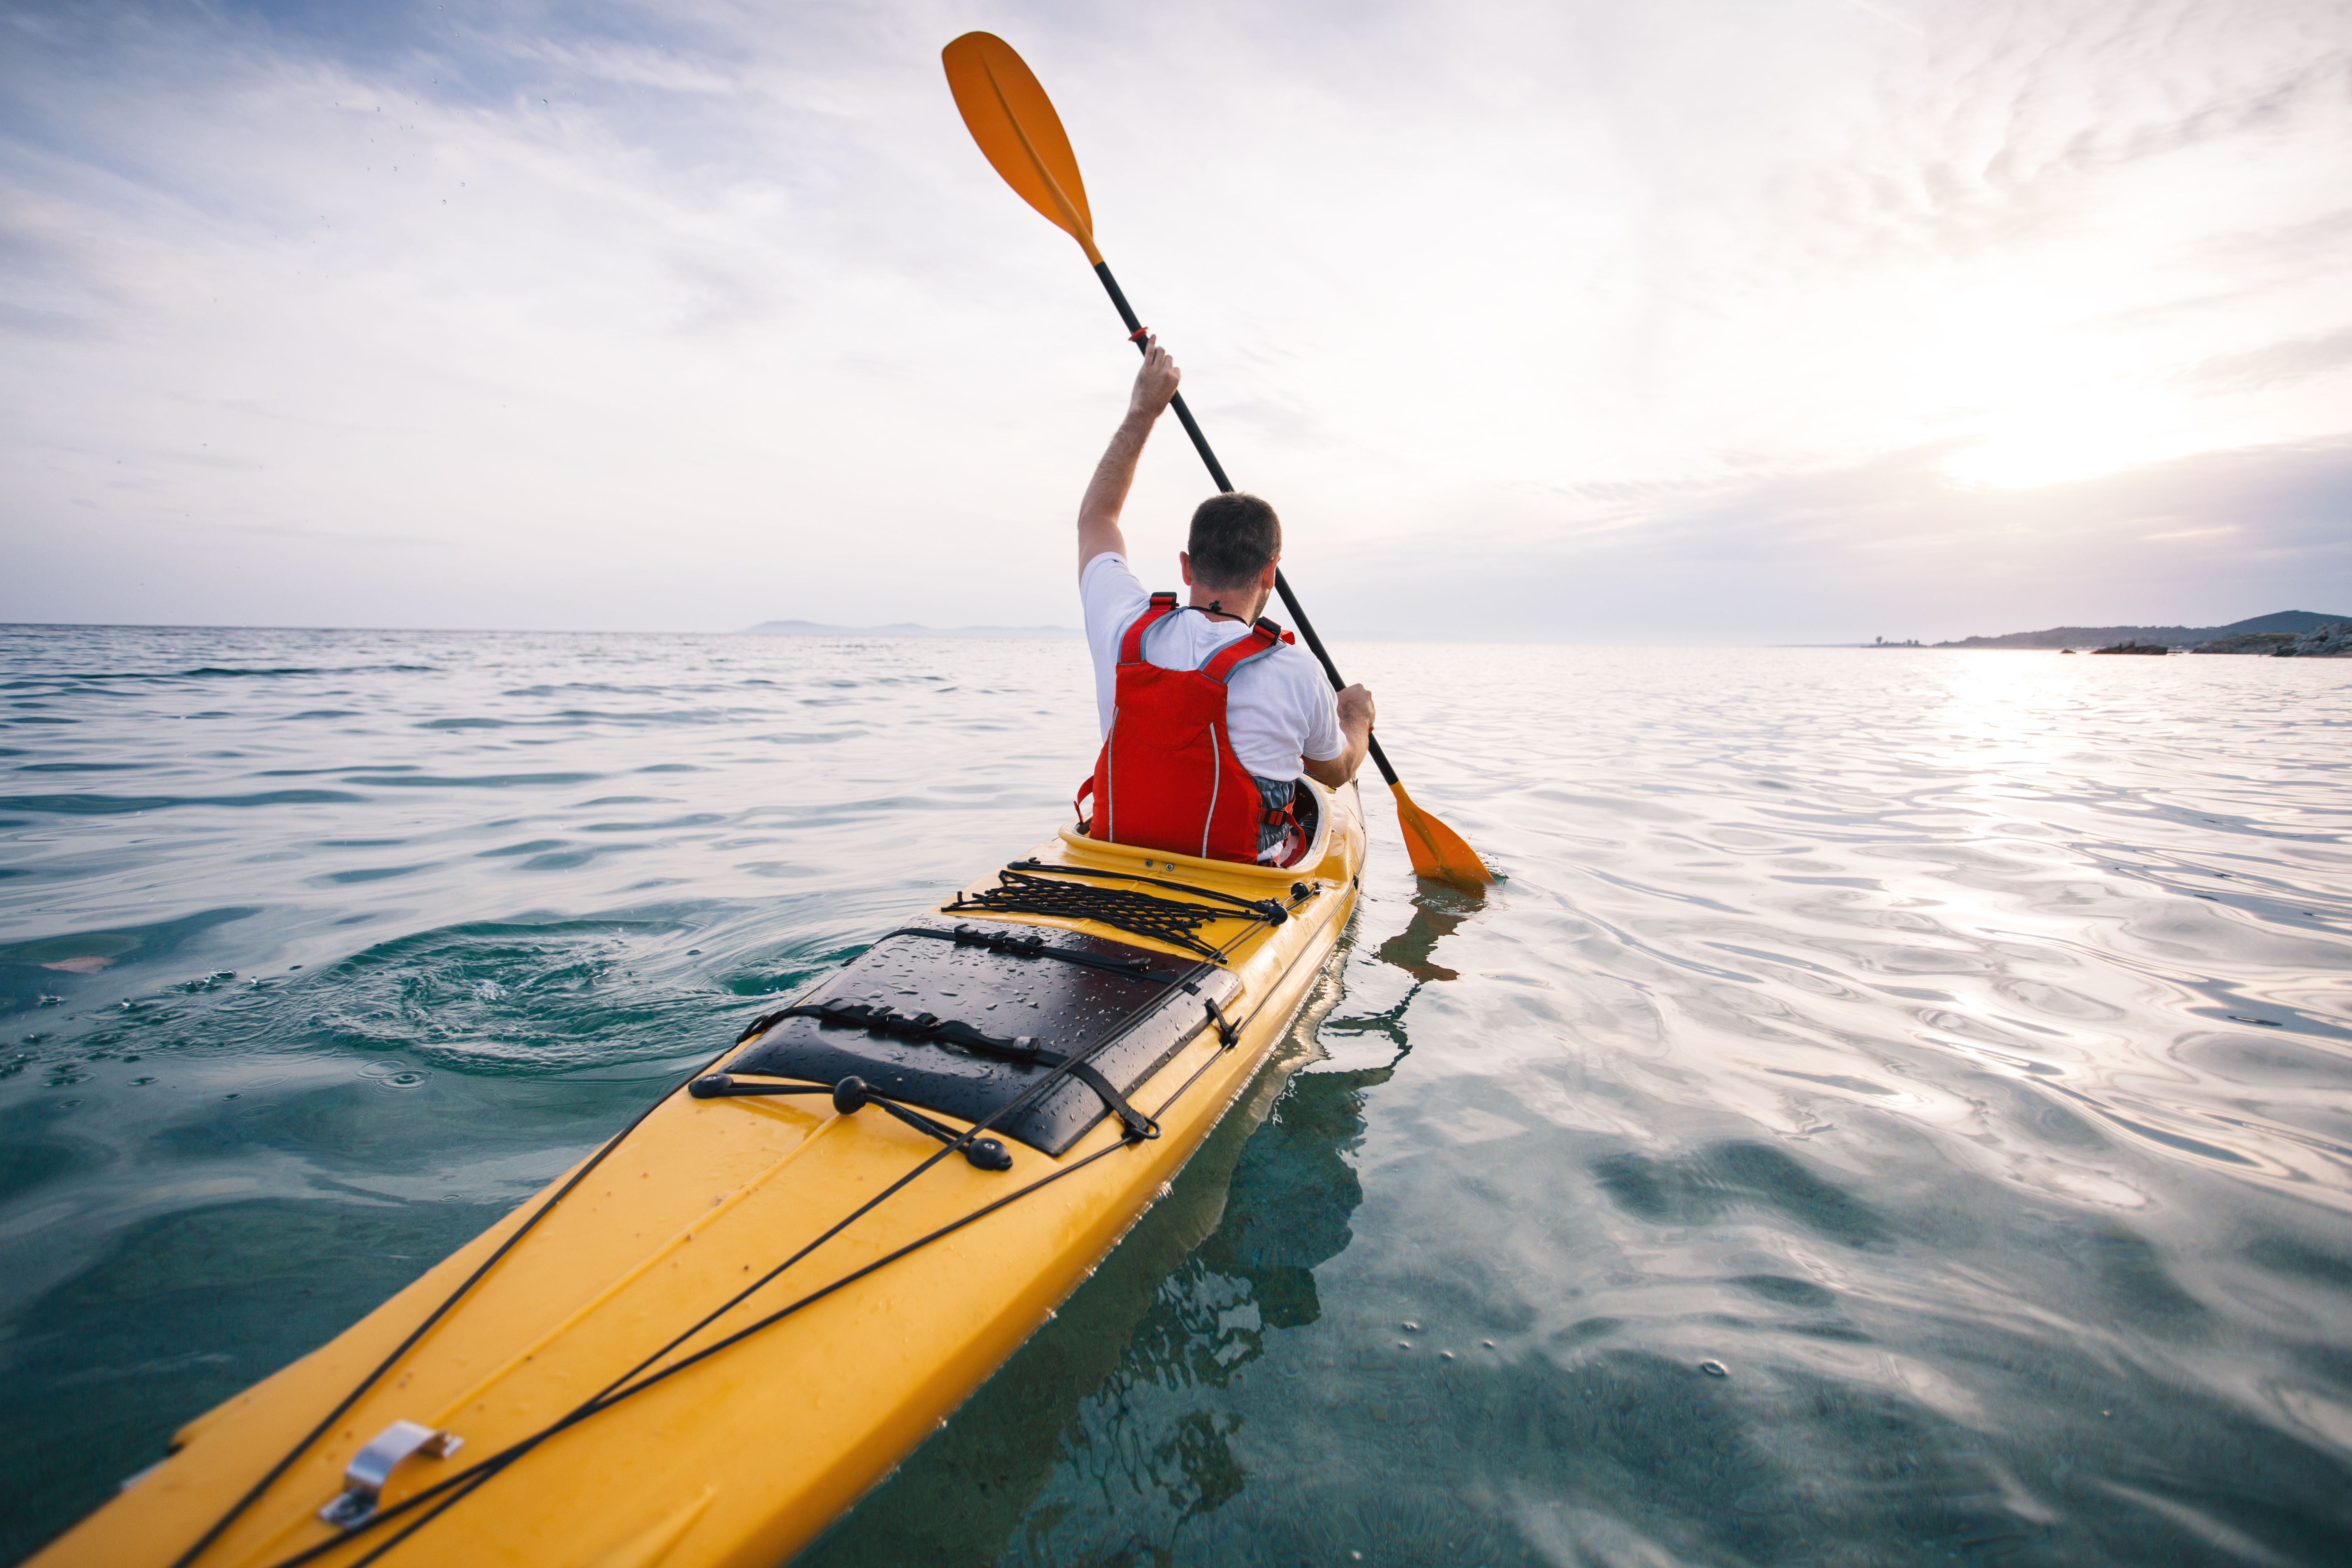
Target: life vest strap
(1130,647)
(1265,635)
(1263,639)
(1143,794)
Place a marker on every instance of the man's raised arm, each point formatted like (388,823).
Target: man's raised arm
(1155,383)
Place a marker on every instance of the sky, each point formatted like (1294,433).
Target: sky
(1723,321)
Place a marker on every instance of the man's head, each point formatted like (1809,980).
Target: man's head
(1235,541)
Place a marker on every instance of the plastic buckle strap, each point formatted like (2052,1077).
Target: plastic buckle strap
(923,1029)
(1035,946)
(929,1028)
(1138,1126)
(1023,946)
(1229,1034)
(1140,1129)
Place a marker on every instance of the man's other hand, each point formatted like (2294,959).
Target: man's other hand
(1155,383)
(1356,711)
(1355,714)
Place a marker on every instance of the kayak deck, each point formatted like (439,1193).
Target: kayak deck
(712,1336)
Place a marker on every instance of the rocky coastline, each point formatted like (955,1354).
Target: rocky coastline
(2321,642)
(2257,634)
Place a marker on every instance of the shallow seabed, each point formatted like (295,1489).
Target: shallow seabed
(1955,1050)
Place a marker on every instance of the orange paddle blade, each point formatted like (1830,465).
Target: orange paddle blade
(1014,123)
(1437,851)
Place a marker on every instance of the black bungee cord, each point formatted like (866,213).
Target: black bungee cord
(466,1482)
(613,1393)
(371,1379)
(481,1471)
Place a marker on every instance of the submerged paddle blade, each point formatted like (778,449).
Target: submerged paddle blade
(1437,851)
(1014,123)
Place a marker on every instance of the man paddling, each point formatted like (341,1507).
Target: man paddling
(1209,712)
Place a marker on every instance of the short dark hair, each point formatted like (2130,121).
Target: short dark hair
(1233,536)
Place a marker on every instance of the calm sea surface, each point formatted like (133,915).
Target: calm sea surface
(1955,1050)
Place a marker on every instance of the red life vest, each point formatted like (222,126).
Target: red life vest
(1168,777)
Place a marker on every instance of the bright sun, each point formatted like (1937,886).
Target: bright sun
(2050,442)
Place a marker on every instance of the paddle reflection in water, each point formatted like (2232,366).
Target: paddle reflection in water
(1438,911)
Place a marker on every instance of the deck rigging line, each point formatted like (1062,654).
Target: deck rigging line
(1030,946)
(461,1485)
(930,1029)
(1022,892)
(327,1422)
(465,1481)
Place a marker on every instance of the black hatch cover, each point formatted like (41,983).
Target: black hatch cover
(1146,1014)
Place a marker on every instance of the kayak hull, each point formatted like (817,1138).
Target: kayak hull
(743,1455)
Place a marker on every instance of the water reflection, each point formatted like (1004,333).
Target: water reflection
(1110,1435)
(1106,1437)
(1438,911)
(1952,1048)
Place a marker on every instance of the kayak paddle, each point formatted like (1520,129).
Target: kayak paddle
(1010,116)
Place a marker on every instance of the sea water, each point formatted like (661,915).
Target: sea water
(1897,1108)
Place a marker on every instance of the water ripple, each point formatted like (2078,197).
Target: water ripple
(1898,1106)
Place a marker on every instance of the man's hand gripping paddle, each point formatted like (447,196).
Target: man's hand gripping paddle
(1014,123)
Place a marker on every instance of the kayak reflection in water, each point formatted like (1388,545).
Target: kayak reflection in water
(1119,1395)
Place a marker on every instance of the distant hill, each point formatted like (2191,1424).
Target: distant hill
(2293,621)
(900,629)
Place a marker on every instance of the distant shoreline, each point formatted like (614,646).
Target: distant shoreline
(2328,639)
(2287,623)
(1063,634)
(901,629)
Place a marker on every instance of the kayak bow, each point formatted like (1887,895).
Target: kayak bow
(712,1335)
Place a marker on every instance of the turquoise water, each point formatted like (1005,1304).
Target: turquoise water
(1954,1049)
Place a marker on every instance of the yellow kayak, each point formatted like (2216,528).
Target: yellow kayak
(709,1338)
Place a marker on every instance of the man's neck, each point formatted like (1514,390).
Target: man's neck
(1244,606)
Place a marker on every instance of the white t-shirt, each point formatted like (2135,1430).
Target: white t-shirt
(1277,710)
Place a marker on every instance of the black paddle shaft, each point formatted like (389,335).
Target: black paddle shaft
(1217,472)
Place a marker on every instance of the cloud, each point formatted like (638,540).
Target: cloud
(1891,548)
(71,279)
(2296,358)
(691,317)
